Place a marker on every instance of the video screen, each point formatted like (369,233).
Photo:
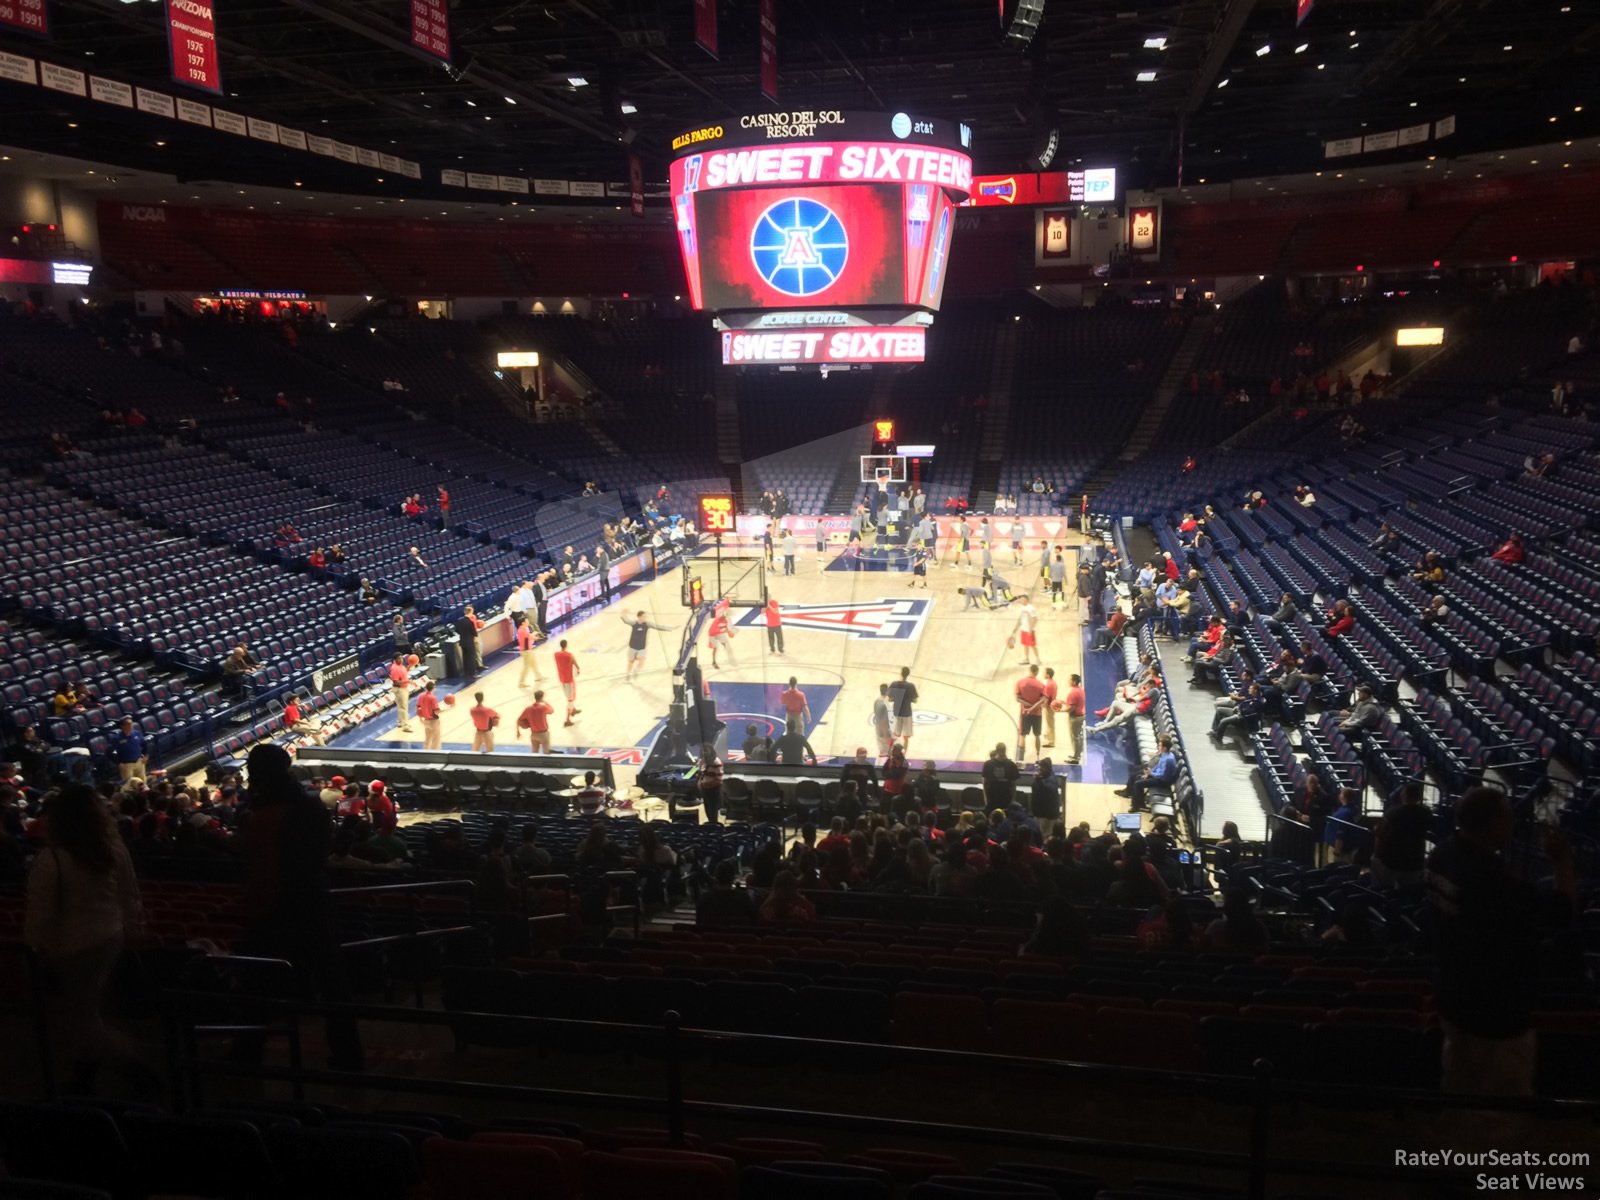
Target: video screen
(840,246)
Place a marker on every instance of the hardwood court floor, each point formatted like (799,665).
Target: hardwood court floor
(845,632)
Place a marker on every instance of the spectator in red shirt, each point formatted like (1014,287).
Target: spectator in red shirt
(316,559)
(444,507)
(1341,619)
(1511,551)
(380,805)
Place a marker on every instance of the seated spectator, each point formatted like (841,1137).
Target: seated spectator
(1434,611)
(1172,928)
(1364,715)
(784,904)
(1511,551)
(1160,772)
(1238,928)
(1130,703)
(1430,570)
(1341,619)
(1282,616)
(1059,931)
(1385,541)
(1108,635)
(1207,641)
(1211,663)
(724,902)
(1244,717)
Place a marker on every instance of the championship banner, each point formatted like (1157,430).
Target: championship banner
(769,49)
(27,16)
(636,184)
(705,26)
(192,41)
(430,28)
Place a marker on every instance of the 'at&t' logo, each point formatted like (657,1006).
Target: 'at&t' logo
(799,246)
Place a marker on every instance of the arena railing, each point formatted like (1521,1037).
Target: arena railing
(1261,1092)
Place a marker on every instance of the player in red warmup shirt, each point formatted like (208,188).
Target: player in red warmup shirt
(536,720)
(567,672)
(719,633)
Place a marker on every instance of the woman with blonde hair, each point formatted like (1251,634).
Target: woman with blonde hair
(82,907)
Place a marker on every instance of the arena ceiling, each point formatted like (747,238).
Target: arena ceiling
(1222,89)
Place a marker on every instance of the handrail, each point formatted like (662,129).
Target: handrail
(1261,1091)
(415,886)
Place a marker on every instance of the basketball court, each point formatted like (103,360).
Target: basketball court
(846,631)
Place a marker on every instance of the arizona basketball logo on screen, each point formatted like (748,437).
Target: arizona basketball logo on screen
(799,246)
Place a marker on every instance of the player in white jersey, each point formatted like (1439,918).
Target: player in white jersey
(1026,630)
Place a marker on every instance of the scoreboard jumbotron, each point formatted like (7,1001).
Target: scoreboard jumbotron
(820,238)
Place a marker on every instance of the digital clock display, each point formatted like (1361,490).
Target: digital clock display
(717,514)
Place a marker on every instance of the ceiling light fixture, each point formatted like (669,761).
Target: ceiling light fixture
(1223,83)
(510,101)
(1302,47)
(1264,49)
(577,81)
(627,108)
(1157,42)
(472,104)
(1146,76)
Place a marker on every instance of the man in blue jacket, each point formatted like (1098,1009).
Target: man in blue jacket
(128,749)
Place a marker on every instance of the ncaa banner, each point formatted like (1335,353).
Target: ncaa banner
(192,41)
(26,16)
(769,49)
(705,26)
(430,28)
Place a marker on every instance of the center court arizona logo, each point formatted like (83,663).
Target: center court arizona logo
(866,620)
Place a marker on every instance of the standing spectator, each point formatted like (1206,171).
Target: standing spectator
(288,911)
(428,714)
(1400,843)
(82,906)
(484,720)
(1490,929)
(402,636)
(793,750)
(567,671)
(536,720)
(467,629)
(602,564)
(400,677)
(128,749)
(710,782)
(773,613)
(444,507)
(789,548)
(1000,776)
